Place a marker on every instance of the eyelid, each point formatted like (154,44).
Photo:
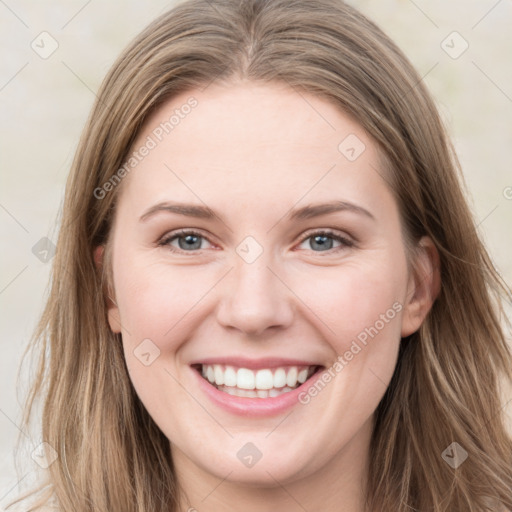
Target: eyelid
(328,231)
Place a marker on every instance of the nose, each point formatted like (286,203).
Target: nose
(255,298)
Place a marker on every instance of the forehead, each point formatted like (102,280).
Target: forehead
(252,142)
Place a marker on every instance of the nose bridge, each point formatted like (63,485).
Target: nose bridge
(253,297)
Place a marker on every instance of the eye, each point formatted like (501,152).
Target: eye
(323,241)
(187,241)
(190,241)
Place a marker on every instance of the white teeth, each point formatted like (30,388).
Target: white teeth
(219,374)
(245,379)
(264,379)
(264,383)
(210,374)
(291,378)
(258,393)
(229,376)
(279,378)
(303,376)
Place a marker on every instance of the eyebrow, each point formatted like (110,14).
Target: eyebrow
(306,212)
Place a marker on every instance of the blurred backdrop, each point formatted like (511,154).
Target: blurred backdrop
(54,55)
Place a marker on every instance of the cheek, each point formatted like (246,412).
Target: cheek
(155,298)
(356,298)
(157,304)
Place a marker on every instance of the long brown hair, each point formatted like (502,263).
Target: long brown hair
(446,386)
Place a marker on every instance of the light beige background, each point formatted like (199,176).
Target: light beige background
(44,104)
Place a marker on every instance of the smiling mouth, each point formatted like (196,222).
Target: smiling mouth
(262,383)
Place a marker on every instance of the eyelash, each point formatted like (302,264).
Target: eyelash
(165,241)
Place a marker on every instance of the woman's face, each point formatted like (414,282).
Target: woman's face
(291,260)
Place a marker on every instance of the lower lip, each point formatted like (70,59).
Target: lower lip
(259,407)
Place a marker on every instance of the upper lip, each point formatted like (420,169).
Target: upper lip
(265,362)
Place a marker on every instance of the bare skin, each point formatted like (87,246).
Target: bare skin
(252,154)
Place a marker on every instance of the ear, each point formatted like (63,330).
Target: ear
(98,256)
(423,286)
(114,319)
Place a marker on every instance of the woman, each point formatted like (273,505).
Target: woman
(268,291)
